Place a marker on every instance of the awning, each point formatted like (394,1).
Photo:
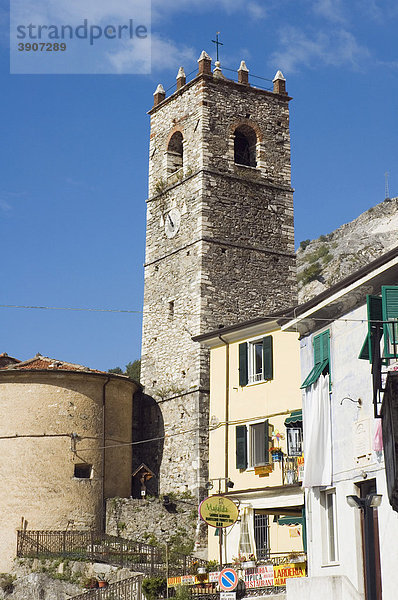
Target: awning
(290,521)
(297,521)
(296,416)
(315,373)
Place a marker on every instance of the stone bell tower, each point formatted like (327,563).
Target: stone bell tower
(219,245)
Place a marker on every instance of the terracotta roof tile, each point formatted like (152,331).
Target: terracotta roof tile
(41,363)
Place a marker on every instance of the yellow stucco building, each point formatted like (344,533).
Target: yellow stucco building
(255,453)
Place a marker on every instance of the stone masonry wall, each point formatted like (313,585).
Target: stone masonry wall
(148,521)
(231,259)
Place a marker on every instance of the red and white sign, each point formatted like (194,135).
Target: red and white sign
(228,579)
(262,577)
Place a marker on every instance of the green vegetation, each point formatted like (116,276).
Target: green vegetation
(154,587)
(7,582)
(183,592)
(304,244)
(321,253)
(310,273)
(160,186)
(180,543)
(133,370)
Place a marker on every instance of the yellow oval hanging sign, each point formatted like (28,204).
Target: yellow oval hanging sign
(218,511)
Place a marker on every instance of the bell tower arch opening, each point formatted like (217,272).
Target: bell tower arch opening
(175,153)
(245,146)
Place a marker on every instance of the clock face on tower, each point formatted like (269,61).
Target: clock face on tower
(172,222)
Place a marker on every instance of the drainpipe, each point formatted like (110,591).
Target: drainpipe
(226,443)
(103,511)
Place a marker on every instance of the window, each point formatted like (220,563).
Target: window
(256,361)
(245,146)
(329,527)
(261,535)
(294,441)
(252,444)
(321,348)
(294,433)
(83,471)
(175,153)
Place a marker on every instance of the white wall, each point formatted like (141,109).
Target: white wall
(351,378)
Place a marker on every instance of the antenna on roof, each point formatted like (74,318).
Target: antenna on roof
(387,188)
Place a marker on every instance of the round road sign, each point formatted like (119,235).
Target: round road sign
(228,579)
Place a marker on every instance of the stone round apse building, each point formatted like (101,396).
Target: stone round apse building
(219,246)
(65,446)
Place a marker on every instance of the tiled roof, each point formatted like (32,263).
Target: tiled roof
(41,363)
(6,360)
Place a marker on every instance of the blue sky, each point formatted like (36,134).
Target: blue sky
(74,156)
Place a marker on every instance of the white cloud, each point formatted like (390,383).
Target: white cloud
(335,48)
(330,9)
(166,55)
(6,199)
(163,8)
(256,11)
(4,205)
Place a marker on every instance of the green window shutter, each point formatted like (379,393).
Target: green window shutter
(268,359)
(364,353)
(268,440)
(389,295)
(375,318)
(241,447)
(321,345)
(317,350)
(243,373)
(325,345)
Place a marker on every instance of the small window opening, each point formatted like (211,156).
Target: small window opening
(223,250)
(171,308)
(175,153)
(83,471)
(245,146)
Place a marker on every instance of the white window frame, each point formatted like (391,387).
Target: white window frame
(254,377)
(251,444)
(330,541)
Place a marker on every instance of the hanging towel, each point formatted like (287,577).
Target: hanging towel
(317,434)
(378,437)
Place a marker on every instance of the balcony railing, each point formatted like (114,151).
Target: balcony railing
(291,470)
(100,547)
(127,589)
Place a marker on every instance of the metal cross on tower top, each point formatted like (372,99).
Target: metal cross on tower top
(217,43)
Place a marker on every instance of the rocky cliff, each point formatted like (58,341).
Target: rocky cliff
(328,259)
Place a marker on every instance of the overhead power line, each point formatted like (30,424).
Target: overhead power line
(176,313)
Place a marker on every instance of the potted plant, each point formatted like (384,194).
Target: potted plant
(102,582)
(276,454)
(90,583)
(249,562)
